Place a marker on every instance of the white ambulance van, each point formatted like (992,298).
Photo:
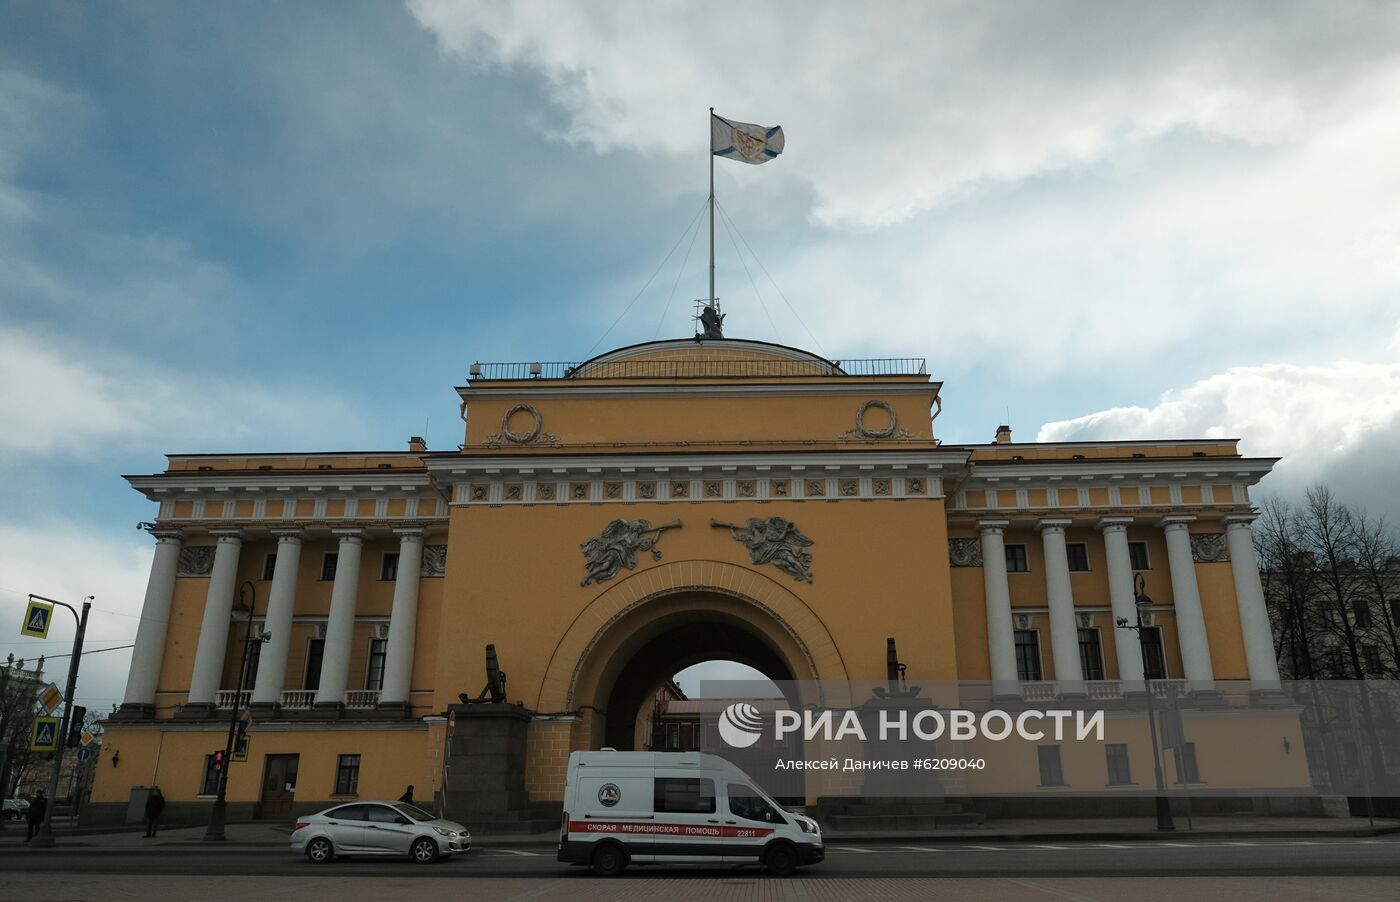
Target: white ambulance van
(624,808)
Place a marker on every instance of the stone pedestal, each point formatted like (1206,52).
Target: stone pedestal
(486,770)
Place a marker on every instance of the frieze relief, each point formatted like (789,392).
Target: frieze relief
(1209,548)
(434,561)
(196,561)
(965,552)
(774,541)
(618,545)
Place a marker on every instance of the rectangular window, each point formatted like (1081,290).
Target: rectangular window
(1137,553)
(374,672)
(1050,772)
(314,650)
(1186,763)
(269,566)
(328,561)
(1395,610)
(684,795)
(1078,555)
(1028,655)
(1119,773)
(1156,659)
(1090,654)
(1371,655)
(209,786)
(389,568)
(1016,560)
(1362,614)
(347,775)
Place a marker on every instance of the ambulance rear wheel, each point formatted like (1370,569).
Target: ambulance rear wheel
(609,860)
(781,860)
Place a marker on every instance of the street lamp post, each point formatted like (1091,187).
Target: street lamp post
(44,838)
(1144,607)
(217,815)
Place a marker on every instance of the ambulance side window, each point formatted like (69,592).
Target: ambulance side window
(684,795)
(745,803)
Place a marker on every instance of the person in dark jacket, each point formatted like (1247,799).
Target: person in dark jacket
(38,806)
(155,804)
(407,797)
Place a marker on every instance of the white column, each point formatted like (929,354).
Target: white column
(340,625)
(1001,635)
(1064,629)
(1121,597)
(149,652)
(213,631)
(1249,596)
(272,661)
(1186,599)
(403,620)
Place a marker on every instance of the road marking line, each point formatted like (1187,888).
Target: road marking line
(986,848)
(919,849)
(1176,845)
(849,849)
(1238,844)
(1109,845)
(518,852)
(1056,848)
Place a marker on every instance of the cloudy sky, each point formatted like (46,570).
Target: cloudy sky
(294,226)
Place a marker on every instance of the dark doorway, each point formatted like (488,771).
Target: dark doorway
(279,787)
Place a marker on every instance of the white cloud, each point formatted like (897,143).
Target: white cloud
(1338,423)
(66,398)
(67,561)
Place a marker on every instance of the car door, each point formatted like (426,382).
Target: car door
(687,818)
(388,831)
(749,822)
(346,826)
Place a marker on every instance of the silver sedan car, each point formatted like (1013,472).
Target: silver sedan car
(378,828)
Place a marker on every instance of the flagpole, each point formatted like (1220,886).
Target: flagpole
(712,209)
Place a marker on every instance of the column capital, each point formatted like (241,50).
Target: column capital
(992,525)
(1114,523)
(167,535)
(1060,525)
(228,535)
(414,532)
(349,535)
(1237,520)
(289,535)
(1170,522)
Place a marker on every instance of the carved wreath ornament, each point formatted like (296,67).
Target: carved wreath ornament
(891,429)
(533,434)
(617,548)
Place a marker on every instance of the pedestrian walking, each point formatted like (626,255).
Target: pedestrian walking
(407,797)
(155,804)
(38,807)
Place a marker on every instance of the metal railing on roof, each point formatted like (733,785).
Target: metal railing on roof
(680,368)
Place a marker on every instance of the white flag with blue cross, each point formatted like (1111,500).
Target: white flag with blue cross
(744,141)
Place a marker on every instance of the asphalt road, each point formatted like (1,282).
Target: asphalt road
(1179,856)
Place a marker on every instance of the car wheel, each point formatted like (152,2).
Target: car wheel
(609,860)
(424,850)
(781,860)
(320,850)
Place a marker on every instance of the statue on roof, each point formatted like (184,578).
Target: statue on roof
(713,321)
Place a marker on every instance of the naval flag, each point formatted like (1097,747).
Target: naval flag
(744,141)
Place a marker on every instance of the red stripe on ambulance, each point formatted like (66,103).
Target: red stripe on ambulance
(636,829)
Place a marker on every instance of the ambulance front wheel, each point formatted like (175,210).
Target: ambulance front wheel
(781,860)
(609,860)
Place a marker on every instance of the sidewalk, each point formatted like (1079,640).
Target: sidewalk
(277,835)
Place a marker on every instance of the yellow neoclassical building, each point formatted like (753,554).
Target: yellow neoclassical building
(604,525)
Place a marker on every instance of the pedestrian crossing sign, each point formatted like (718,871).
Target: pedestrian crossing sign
(37,618)
(45,735)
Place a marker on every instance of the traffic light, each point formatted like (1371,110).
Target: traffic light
(219,761)
(75,726)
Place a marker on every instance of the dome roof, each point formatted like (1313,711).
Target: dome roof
(685,358)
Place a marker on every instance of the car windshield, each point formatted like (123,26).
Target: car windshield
(417,814)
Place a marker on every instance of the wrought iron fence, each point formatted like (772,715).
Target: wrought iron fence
(672,368)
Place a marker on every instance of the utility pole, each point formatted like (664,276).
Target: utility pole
(45,840)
